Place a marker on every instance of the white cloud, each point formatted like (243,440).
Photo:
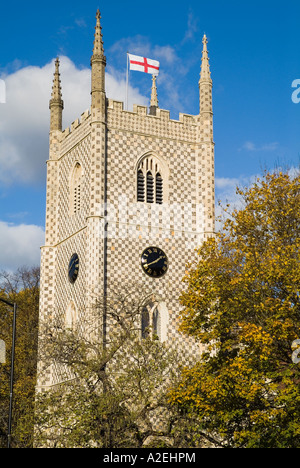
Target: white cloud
(24,119)
(226,191)
(250,146)
(24,133)
(20,245)
(171,67)
(225,183)
(226,194)
(192,28)
(116,89)
(24,140)
(165,53)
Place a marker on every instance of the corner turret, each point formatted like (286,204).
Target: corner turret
(205,82)
(56,104)
(98,64)
(206,174)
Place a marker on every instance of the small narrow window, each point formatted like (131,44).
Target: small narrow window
(78,198)
(150,188)
(140,187)
(75,190)
(159,189)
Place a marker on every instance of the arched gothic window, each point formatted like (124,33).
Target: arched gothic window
(150,186)
(154,320)
(75,190)
(71,316)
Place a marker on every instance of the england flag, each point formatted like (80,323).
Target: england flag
(143,64)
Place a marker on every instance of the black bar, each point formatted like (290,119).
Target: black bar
(7,303)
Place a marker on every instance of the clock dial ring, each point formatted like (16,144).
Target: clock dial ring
(73,268)
(154,262)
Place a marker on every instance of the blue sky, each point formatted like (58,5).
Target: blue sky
(254,50)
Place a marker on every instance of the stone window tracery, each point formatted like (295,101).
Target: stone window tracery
(71,316)
(151,176)
(154,320)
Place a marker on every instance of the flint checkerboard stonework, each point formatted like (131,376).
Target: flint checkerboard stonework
(109,143)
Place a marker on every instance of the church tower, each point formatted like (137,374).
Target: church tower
(130,196)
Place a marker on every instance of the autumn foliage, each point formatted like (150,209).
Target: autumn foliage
(21,287)
(242,302)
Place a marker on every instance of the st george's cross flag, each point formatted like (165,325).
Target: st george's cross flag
(143,64)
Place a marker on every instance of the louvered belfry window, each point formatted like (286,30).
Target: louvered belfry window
(159,189)
(140,187)
(149,182)
(150,188)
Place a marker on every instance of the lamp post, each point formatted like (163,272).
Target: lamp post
(14,306)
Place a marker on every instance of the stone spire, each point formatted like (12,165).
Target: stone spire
(98,50)
(206,145)
(154,100)
(56,104)
(98,64)
(205,69)
(205,82)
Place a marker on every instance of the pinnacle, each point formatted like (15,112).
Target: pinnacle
(205,68)
(56,88)
(98,50)
(56,104)
(154,99)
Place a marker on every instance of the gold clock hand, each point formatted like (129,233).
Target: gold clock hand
(155,261)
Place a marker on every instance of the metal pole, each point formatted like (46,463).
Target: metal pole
(11,369)
(127,78)
(12,375)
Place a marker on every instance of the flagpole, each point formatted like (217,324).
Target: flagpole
(127,79)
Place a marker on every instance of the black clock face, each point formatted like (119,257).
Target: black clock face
(154,262)
(73,268)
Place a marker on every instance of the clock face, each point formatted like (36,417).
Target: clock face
(154,262)
(73,268)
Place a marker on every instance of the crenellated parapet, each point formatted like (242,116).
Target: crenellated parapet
(160,125)
(136,120)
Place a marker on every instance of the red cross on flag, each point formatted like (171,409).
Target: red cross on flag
(143,64)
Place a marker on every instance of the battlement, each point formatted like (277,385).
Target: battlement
(137,120)
(161,125)
(84,116)
(161,114)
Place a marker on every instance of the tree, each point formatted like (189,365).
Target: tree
(242,303)
(115,386)
(21,287)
